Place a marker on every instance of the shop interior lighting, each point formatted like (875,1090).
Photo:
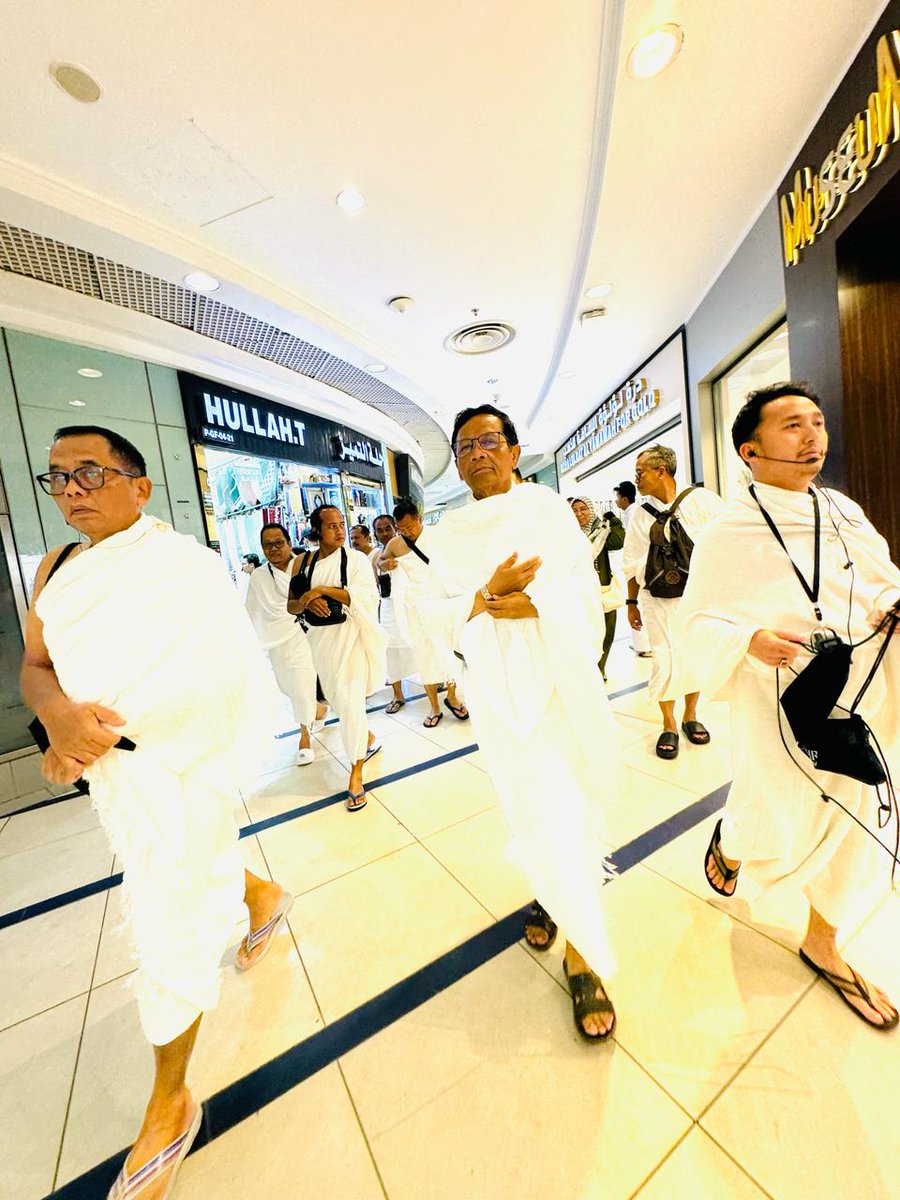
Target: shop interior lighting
(655,51)
(376,368)
(90,373)
(599,289)
(77,403)
(350,200)
(199,281)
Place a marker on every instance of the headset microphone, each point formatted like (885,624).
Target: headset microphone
(769,458)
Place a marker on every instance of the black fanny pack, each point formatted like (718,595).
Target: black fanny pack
(384,586)
(302,583)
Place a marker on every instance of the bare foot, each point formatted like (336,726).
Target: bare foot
(163,1124)
(880,1012)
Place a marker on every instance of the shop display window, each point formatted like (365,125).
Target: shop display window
(768,362)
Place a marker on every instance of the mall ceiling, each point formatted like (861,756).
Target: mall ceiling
(507,160)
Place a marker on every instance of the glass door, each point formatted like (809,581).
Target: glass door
(14,717)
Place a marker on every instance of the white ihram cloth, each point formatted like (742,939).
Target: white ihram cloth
(640,643)
(148,623)
(434,655)
(349,658)
(283,639)
(543,721)
(672,673)
(741,581)
(401,658)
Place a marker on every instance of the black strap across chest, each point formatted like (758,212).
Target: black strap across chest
(663,514)
(63,555)
(415,549)
(811,592)
(308,567)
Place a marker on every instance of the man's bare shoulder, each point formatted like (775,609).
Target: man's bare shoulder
(46,566)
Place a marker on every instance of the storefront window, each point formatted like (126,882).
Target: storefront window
(767,362)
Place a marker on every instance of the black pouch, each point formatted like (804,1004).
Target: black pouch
(302,582)
(384,586)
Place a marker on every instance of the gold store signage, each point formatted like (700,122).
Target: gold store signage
(623,409)
(815,200)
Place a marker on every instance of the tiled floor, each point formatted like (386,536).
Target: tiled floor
(733,1076)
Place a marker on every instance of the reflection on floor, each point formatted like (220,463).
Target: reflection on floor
(733,1075)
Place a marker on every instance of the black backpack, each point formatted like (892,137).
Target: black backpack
(669,556)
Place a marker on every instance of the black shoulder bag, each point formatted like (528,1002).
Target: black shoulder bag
(302,583)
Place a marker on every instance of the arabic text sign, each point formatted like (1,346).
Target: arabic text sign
(223,416)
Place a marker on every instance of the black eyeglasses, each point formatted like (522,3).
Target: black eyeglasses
(90,478)
(487,441)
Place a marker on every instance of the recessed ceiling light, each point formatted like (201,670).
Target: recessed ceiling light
(376,368)
(77,403)
(90,373)
(199,281)
(75,82)
(599,289)
(350,200)
(653,53)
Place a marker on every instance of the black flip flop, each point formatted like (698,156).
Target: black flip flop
(585,1002)
(433,720)
(667,745)
(851,987)
(539,918)
(460,713)
(714,851)
(696,732)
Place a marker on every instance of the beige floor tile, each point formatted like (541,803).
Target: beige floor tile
(821,1096)
(699,769)
(696,993)
(379,723)
(37,1059)
(295,787)
(260,1014)
(320,846)
(698,1168)
(362,933)
(399,751)
(474,852)
(50,824)
(425,804)
(306,1144)
(115,956)
(642,803)
(48,959)
(45,871)
(486,1092)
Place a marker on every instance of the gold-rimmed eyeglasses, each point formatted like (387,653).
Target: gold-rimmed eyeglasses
(90,478)
(487,441)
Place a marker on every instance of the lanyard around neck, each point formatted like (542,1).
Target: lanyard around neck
(812,592)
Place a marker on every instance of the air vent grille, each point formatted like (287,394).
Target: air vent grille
(480,337)
(23,252)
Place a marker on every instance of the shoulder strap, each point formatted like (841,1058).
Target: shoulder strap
(61,558)
(678,499)
(343,567)
(415,549)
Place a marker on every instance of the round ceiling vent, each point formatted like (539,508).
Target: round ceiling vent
(480,337)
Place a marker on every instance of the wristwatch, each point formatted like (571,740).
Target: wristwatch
(485,593)
(631,601)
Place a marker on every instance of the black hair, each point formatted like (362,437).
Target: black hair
(747,421)
(382,517)
(627,489)
(406,507)
(485,410)
(275,525)
(121,449)
(364,527)
(315,518)
(253,558)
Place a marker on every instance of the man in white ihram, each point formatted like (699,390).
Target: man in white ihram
(784,563)
(113,650)
(281,635)
(671,672)
(530,630)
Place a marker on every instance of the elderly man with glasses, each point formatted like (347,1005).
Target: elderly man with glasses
(671,676)
(518,603)
(159,696)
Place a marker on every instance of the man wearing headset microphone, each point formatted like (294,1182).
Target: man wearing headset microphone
(788,613)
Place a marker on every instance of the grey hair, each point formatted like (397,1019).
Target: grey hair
(662,456)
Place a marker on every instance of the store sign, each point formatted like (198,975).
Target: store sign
(621,411)
(222,416)
(815,200)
